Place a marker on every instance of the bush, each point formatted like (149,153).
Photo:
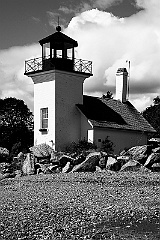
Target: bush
(4,154)
(107,146)
(80,147)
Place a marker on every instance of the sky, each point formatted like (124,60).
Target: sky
(108,32)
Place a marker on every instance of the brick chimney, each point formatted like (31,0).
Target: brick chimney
(121,84)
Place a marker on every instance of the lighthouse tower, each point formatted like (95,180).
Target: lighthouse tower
(58,86)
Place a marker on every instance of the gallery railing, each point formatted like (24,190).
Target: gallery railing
(47,63)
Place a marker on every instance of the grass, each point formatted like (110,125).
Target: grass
(81,206)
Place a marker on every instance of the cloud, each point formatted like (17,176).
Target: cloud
(13,82)
(35,19)
(149,4)
(103,4)
(85,6)
(53,19)
(66,10)
(109,41)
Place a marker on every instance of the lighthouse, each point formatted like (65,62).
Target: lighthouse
(58,79)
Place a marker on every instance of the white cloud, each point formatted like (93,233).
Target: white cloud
(13,82)
(85,6)
(66,10)
(35,19)
(109,41)
(103,4)
(148,4)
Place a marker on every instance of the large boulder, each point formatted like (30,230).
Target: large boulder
(123,159)
(139,153)
(41,150)
(89,164)
(18,161)
(113,164)
(111,161)
(67,168)
(133,166)
(28,167)
(79,159)
(64,159)
(103,160)
(45,168)
(153,158)
(55,156)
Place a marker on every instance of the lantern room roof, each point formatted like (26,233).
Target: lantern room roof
(58,39)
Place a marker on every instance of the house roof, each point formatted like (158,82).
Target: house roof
(58,39)
(111,113)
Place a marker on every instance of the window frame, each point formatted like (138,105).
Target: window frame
(44,118)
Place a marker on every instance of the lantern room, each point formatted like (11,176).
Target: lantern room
(58,54)
(58,51)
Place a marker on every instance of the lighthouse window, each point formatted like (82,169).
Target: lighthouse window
(44,118)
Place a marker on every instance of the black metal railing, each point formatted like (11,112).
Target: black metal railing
(39,64)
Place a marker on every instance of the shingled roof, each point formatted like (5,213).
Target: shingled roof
(111,113)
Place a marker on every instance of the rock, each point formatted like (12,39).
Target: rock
(156,150)
(122,153)
(111,161)
(6,175)
(114,167)
(43,160)
(79,159)
(28,167)
(18,161)
(41,150)
(133,166)
(90,163)
(98,169)
(68,167)
(113,164)
(156,167)
(52,168)
(55,156)
(18,173)
(103,161)
(64,159)
(123,159)
(45,168)
(139,153)
(153,158)
(5,168)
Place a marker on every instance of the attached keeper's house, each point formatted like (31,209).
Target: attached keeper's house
(62,114)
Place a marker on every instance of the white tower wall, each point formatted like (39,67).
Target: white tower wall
(59,91)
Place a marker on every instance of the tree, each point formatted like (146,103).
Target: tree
(156,100)
(16,123)
(109,95)
(107,146)
(152,115)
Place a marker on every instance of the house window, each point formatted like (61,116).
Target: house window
(44,118)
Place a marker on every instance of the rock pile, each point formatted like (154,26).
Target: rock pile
(44,160)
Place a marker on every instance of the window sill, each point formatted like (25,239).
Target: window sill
(43,129)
